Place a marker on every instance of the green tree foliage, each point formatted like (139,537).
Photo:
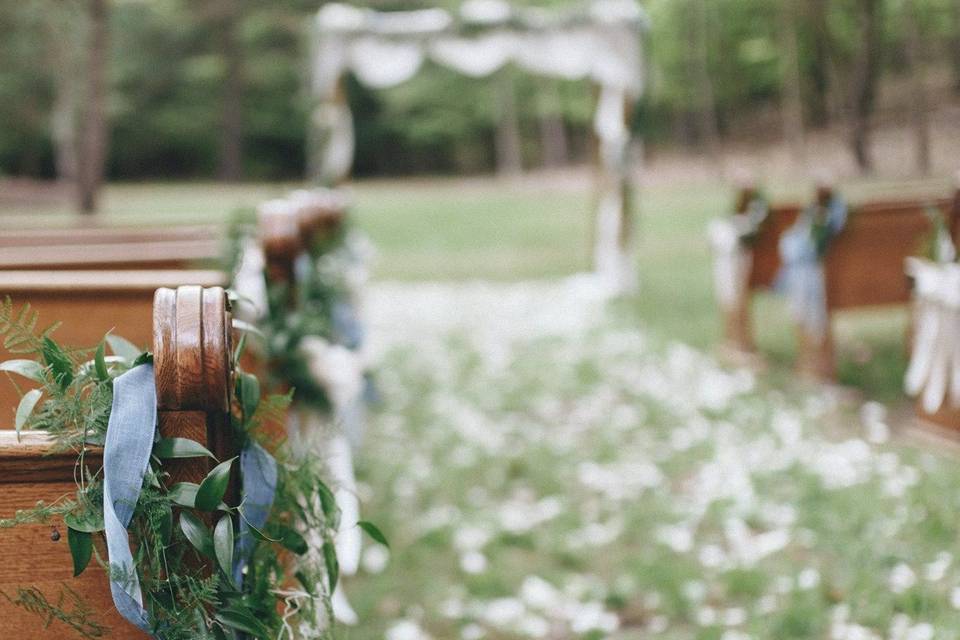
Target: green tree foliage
(167,74)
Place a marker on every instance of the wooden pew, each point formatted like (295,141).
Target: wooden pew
(192,347)
(107,235)
(764,265)
(90,303)
(863,266)
(165,254)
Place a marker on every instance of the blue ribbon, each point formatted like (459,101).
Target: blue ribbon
(346,324)
(258,470)
(801,276)
(131,432)
(126,454)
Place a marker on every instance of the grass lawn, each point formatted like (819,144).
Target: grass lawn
(441,229)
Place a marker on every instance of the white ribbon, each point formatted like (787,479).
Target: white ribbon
(934,369)
(731,261)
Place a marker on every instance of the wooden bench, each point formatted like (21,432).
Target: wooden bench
(107,235)
(191,340)
(91,303)
(863,267)
(138,254)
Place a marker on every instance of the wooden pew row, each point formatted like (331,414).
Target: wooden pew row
(863,267)
(133,254)
(190,331)
(91,303)
(107,235)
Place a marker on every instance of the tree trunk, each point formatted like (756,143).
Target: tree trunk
(553,134)
(792,106)
(509,154)
(919,106)
(93,127)
(865,75)
(231,114)
(705,100)
(820,66)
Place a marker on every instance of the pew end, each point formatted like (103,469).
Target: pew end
(192,348)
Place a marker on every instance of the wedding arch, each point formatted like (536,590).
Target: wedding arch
(599,41)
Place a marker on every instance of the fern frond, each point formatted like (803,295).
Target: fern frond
(18,328)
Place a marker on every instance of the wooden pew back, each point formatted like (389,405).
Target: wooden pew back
(864,263)
(90,303)
(191,345)
(766,246)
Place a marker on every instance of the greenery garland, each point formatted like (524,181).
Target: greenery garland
(184,566)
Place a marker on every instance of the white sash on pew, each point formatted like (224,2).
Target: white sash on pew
(934,370)
(731,260)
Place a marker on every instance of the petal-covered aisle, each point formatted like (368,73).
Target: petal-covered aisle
(543,472)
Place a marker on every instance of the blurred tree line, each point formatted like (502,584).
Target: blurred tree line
(180,89)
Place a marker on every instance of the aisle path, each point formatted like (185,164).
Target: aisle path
(543,474)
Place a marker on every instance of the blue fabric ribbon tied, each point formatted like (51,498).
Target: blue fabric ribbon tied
(131,432)
(126,454)
(801,277)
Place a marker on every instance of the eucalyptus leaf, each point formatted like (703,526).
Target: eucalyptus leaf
(87,521)
(25,408)
(328,503)
(248,390)
(214,486)
(244,621)
(123,347)
(333,565)
(100,362)
(81,549)
(184,494)
(30,369)
(223,541)
(293,541)
(197,533)
(246,327)
(180,448)
(374,532)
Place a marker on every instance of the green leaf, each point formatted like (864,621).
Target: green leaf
(248,390)
(328,502)
(29,369)
(374,532)
(242,620)
(144,358)
(197,533)
(59,363)
(305,583)
(223,545)
(184,494)
(100,362)
(25,408)
(246,327)
(123,347)
(180,448)
(81,549)
(293,541)
(86,521)
(333,566)
(214,486)
(255,531)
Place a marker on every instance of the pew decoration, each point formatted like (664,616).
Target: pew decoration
(730,239)
(313,273)
(933,374)
(185,561)
(802,248)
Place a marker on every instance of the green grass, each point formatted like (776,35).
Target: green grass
(442,229)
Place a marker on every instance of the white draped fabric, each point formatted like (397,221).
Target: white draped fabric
(599,42)
(731,260)
(934,370)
